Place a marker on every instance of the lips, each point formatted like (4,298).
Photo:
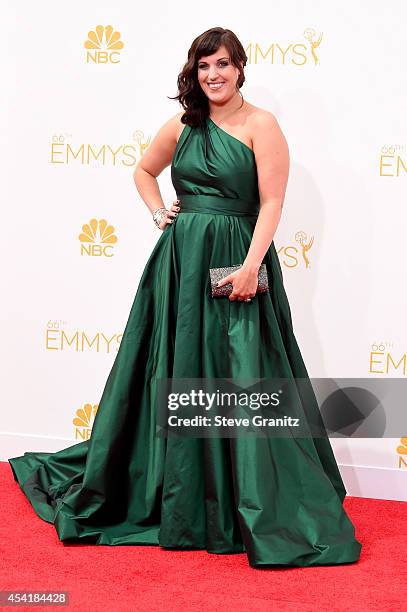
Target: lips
(216,85)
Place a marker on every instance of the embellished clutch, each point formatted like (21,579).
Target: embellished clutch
(216,274)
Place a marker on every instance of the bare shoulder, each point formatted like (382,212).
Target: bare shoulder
(176,124)
(161,149)
(266,133)
(172,128)
(261,119)
(272,155)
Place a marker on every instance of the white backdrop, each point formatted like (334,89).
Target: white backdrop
(74,123)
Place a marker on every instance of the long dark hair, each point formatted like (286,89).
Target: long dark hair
(190,94)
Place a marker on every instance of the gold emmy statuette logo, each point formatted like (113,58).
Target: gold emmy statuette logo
(392,162)
(97,238)
(292,254)
(314,42)
(301,238)
(402,453)
(382,361)
(83,421)
(296,53)
(103,45)
(142,143)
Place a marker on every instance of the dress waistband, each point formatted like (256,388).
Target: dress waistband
(217,205)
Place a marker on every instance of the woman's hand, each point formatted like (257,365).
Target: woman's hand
(171,214)
(244,282)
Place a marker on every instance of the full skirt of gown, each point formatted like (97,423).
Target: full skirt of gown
(279,500)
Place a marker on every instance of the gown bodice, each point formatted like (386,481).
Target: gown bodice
(211,163)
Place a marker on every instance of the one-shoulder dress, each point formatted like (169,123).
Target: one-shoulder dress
(278,500)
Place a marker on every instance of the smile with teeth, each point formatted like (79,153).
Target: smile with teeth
(215,85)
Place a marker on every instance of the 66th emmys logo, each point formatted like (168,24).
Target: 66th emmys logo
(88,154)
(103,45)
(83,421)
(297,52)
(60,337)
(393,161)
(384,359)
(97,238)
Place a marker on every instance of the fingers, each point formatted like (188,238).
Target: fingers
(235,296)
(224,281)
(175,206)
(167,221)
(240,298)
(171,213)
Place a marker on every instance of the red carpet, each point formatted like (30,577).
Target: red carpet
(149,578)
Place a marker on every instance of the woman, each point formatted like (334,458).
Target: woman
(277,499)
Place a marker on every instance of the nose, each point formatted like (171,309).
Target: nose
(213,72)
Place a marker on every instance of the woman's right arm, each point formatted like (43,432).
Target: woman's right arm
(155,159)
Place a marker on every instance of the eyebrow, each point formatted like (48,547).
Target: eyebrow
(221,58)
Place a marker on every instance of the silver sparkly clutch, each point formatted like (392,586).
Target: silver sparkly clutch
(216,274)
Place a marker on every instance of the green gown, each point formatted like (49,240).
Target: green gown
(279,500)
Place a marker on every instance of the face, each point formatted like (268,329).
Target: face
(217,75)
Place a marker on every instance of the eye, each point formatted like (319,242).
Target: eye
(222,63)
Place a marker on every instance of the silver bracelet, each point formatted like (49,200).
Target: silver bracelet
(159,215)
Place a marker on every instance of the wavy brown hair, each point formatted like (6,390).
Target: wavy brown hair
(190,94)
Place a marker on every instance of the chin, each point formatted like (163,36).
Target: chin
(216,96)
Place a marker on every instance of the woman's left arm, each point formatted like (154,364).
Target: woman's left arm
(273,162)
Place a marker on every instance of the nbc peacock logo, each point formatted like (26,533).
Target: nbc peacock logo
(97,238)
(291,255)
(402,453)
(103,45)
(297,52)
(83,421)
